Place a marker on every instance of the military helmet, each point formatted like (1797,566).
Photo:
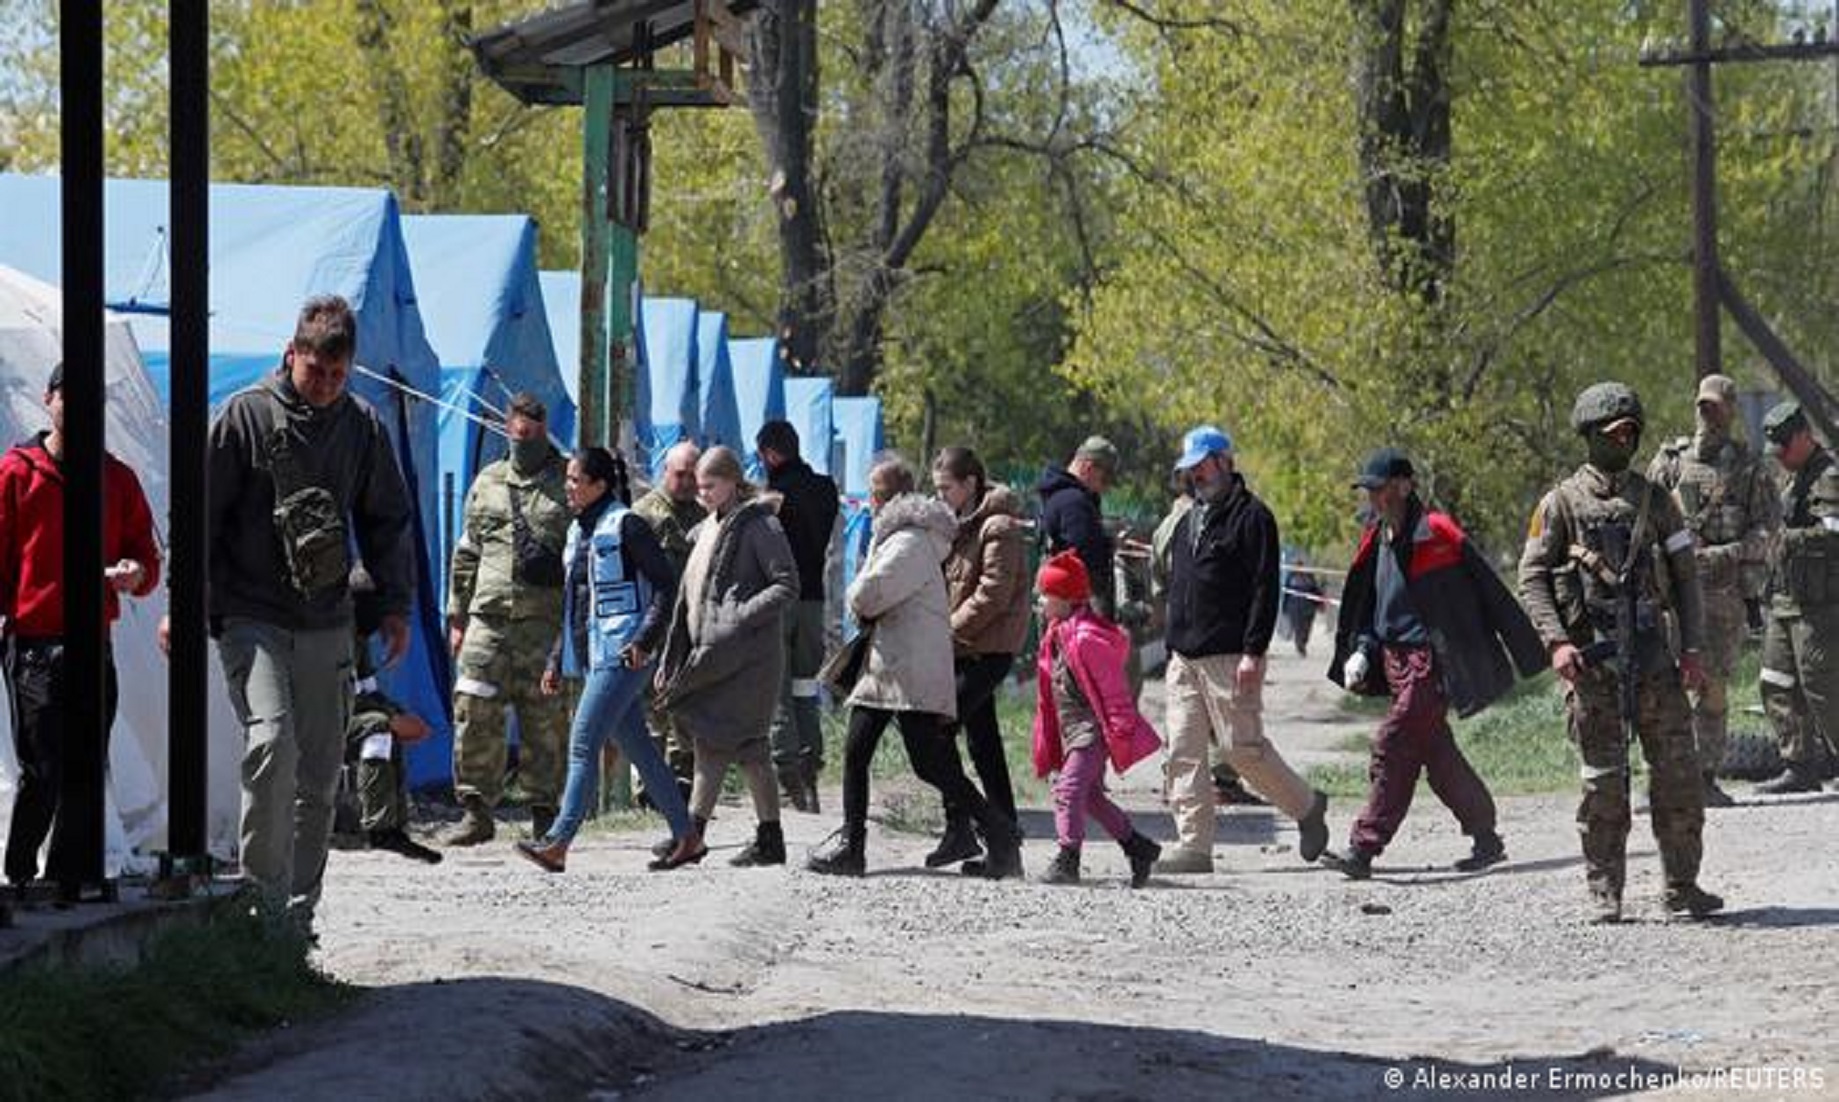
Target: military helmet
(1604,404)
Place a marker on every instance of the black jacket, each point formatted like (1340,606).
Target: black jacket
(1477,630)
(1223,586)
(346,450)
(808,515)
(1070,518)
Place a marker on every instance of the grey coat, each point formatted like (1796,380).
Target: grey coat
(901,590)
(723,687)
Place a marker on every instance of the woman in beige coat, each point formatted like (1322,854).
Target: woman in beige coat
(908,677)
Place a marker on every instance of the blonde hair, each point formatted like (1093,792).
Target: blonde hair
(724,463)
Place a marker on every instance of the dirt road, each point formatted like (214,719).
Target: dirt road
(1269,978)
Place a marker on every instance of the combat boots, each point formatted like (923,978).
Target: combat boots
(1691,901)
(397,840)
(842,854)
(1143,855)
(808,769)
(1065,869)
(1355,864)
(768,848)
(1605,907)
(475,826)
(1313,828)
(959,843)
(1797,777)
(1488,849)
(1715,796)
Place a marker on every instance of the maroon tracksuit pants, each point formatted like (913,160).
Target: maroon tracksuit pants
(1415,738)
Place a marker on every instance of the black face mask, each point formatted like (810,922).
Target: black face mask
(1609,455)
(527,456)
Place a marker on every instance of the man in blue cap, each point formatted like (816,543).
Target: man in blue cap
(1223,592)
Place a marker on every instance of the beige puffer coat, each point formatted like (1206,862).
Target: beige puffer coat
(987,576)
(901,590)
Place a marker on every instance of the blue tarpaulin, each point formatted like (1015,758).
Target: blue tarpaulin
(271,248)
(483,308)
(759,392)
(720,415)
(858,426)
(669,397)
(808,403)
(562,301)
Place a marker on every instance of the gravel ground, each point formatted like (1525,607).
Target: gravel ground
(497,980)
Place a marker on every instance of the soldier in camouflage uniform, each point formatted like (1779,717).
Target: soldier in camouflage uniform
(672,510)
(1597,533)
(1728,500)
(374,739)
(504,610)
(1800,666)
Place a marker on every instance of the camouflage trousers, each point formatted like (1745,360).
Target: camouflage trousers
(1800,683)
(500,673)
(1726,627)
(1676,798)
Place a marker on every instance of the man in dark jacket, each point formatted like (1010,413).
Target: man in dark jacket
(1222,610)
(808,513)
(294,458)
(1423,620)
(1071,515)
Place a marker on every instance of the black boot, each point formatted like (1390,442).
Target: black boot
(1143,854)
(768,848)
(1489,849)
(842,854)
(1005,845)
(1355,864)
(1065,869)
(808,770)
(1797,777)
(1715,796)
(958,844)
(397,840)
(541,819)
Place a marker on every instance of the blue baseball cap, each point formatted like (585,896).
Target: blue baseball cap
(1200,443)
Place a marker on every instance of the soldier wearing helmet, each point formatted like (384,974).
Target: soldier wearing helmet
(1728,500)
(1606,554)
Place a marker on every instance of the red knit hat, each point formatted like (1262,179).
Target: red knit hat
(1064,576)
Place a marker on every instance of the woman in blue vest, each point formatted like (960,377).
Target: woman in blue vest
(615,608)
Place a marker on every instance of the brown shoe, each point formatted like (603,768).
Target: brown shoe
(548,856)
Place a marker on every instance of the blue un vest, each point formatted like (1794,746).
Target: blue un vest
(618,603)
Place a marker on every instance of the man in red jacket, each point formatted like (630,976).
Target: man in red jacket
(32,600)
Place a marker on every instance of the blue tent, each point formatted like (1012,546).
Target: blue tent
(483,307)
(668,394)
(808,406)
(720,415)
(272,247)
(858,426)
(562,301)
(759,392)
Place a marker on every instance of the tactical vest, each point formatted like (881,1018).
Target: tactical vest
(1807,561)
(1604,536)
(1711,492)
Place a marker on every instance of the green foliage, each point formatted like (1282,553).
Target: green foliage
(119,1032)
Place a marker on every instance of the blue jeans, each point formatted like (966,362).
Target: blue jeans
(610,705)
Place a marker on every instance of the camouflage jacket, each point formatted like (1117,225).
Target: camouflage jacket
(482,582)
(1805,567)
(671,521)
(1728,501)
(1569,568)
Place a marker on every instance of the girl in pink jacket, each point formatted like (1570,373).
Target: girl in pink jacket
(1085,715)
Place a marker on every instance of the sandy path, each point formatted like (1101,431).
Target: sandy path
(1269,976)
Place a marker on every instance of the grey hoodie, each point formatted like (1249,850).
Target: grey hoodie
(343,448)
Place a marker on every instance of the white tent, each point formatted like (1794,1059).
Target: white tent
(31,343)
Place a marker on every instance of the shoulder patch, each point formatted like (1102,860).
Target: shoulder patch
(1535,529)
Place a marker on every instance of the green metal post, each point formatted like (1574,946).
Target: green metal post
(605,310)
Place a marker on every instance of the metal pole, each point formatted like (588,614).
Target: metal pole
(596,232)
(85,630)
(1704,197)
(188,731)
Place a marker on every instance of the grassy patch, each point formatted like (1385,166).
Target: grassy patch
(118,1032)
(1519,746)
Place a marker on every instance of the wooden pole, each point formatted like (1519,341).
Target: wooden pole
(1704,198)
